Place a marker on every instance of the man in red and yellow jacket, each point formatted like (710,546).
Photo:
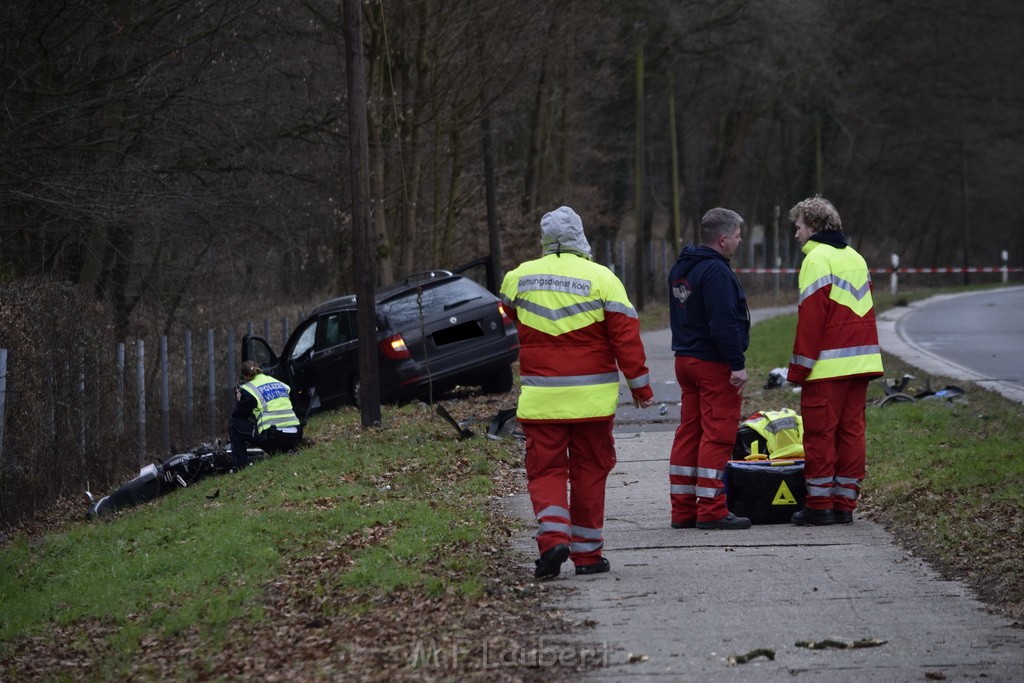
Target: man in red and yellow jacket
(577,330)
(835,355)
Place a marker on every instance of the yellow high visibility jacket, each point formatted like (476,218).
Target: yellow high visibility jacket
(782,430)
(577,329)
(273,406)
(836,334)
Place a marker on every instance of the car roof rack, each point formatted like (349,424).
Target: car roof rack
(336,302)
(425,276)
(387,291)
(411,282)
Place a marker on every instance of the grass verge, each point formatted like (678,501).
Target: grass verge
(373,554)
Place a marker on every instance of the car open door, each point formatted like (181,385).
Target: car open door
(257,349)
(481,271)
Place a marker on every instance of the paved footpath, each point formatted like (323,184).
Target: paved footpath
(679,603)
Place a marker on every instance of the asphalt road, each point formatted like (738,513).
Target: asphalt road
(976,336)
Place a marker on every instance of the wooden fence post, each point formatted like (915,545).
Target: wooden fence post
(189,397)
(140,379)
(3,396)
(211,379)
(119,408)
(165,399)
(81,407)
(232,373)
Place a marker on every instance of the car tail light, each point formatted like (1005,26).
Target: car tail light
(504,316)
(394,348)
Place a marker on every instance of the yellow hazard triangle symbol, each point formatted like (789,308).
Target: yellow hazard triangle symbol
(784,496)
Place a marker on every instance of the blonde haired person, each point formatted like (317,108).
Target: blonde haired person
(835,355)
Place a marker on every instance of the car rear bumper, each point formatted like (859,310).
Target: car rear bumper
(447,373)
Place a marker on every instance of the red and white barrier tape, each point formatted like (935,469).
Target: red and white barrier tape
(972,269)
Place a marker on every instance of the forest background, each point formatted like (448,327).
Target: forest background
(169,165)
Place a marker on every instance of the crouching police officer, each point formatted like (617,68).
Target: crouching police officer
(263,415)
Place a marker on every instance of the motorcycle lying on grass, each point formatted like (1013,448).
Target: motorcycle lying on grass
(179,471)
(185,469)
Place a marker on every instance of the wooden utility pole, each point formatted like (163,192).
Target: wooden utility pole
(638,266)
(364,261)
(493,232)
(777,258)
(677,227)
(490,189)
(819,174)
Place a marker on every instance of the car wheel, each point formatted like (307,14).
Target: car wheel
(499,382)
(353,390)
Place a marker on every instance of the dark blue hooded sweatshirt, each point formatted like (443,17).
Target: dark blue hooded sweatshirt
(708,308)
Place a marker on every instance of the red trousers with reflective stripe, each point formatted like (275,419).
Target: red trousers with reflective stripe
(709,416)
(577,455)
(834,441)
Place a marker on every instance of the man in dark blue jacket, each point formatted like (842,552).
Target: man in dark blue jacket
(710,333)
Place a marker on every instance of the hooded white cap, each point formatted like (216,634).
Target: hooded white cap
(561,231)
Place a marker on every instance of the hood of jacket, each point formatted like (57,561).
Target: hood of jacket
(831,238)
(561,231)
(691,255)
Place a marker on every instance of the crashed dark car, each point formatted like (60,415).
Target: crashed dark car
(435,330)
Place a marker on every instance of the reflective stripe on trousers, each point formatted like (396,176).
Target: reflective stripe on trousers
(834,443)
(709,415)
(838,493)
(562,456)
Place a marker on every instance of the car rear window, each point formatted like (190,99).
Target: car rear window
(404,311)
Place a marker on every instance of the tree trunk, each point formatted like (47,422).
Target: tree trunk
(369,390)
(381,248)
(639,273)
(95,265)
(676,227)
(447,254)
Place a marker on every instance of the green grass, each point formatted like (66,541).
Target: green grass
(393,502)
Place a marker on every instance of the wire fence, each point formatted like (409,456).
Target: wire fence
(85,417)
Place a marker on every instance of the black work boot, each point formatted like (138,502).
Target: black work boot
(550,563)
(843,516)
(808,517)
(601,567)
(730,521)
